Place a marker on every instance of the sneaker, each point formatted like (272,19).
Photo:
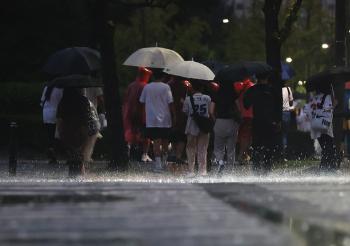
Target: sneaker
(158,165)
(164,160)
(146,158)
(221,169)
(190,175)
(158,170)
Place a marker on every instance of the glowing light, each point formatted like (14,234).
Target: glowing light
(289,59)
(225,20)
(325,46)
(300,82)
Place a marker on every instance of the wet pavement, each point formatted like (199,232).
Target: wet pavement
(41,206)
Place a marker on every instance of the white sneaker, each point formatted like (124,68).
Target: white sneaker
(146,158)
(190,175)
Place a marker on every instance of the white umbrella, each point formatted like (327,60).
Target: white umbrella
(155,57)
(191,70)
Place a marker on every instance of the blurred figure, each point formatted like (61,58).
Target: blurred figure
(226,126)
(179,88)
(197,141)
(212,91)
(265,124)
(245,129)
(78,126)
(287,107)
(321,115)
(49,101)
(134,118)
(95,96)
(160,116)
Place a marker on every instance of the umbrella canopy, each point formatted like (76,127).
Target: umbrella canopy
(74,60)
(328,77)
(153,57)
(75,80)
(287,71)
(241,70)
(215,66)
(190,70)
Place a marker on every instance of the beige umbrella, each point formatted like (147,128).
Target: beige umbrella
(191,70)
(154,57)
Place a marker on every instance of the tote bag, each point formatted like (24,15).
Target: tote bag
(322,120)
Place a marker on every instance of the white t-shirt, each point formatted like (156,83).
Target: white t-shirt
(157,96)
(287,97)
(202,104)
(50,106)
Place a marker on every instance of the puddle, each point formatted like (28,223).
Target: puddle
(58,198)
(310,234)
(69,241)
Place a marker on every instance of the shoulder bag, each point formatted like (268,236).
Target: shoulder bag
(205,124)
(320,121)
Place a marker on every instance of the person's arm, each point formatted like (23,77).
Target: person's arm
(212,110)
(173,114)
(248,98)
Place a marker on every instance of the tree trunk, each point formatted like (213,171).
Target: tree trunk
(340,60)
(105,27)
(273,53)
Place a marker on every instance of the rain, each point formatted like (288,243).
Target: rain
(172,123)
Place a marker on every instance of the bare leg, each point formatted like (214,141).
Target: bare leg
(179,149)
(88,147)
(191,150)
(202,148)
(146,144)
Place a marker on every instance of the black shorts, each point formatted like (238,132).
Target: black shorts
(157,133)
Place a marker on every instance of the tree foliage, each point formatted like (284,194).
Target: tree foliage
(314,27)
(32,30)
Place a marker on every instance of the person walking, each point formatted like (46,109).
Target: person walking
(245,128)
(160,116)
(197,141)
(287,107)
(179,89)
(227,122)
(265,124)
(134,118)
(321,115)
(50,99)
(78,126)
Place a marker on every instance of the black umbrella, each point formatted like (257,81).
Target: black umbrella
(257,67)
(74,60)
(241,70)
(75,80)
(214,65)
(287,71)
(328,77)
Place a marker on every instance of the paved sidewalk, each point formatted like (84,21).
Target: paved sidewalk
(127,214)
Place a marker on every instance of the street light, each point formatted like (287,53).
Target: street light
(325,46)
(289,59)
(225,20)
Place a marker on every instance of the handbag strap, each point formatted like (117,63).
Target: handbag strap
(322,101)
(192,104)
(289,92)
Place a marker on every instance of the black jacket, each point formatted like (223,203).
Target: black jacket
(264,102)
